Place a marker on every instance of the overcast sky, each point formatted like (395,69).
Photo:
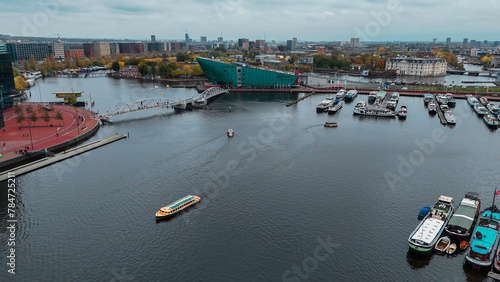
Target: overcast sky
(319,20)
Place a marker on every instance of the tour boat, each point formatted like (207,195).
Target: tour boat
(442,244)
(177,206)
(450,118)
(403,112)
(484,241)
(330,124)
(423,239)
(373,112)
(432,107)
(372,96)
(230,133)
(335,108)
(491,121)
(428,97)
(480,109)
(324,105)
(351,94)
(463,220)
(472,100)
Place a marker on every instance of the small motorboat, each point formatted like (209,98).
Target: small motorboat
(464,245)
(451,249)
(423,212)
(330,124)
(443,244)
(230,133)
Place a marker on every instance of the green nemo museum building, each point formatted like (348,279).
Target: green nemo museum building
(242,75)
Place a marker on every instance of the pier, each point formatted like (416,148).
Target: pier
(440,112)
(300,99)
(62,156)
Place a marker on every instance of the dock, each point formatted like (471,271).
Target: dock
(382,105)
(300,99)
(440,112)
(62,156)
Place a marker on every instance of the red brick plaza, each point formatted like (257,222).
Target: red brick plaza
(17,137)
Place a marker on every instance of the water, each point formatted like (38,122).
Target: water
(270,194)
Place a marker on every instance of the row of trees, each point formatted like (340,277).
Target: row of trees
(33,115)
(165,67)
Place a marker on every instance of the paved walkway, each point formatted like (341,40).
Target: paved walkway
(17,136)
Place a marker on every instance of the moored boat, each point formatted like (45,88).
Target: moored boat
(450,118)
(451,249)
(335,108)
(423,239)
(444,107)
(463,220)
(472,100)
(428,97)
(330,124)
(432,108)
(373,112)
(450,100)
(361,104)
(372,96)
(351,95)
(493,109)
(484,241)
(340,96)
(483,101)
(324,105)
(442,244)
(403,112)
(491,121)
(177,206)
(441,99)
(200,103)
(480,109)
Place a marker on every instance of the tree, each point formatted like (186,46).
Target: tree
(33,63)
(18,109)
(46,117)
(119,58)
(197,71)
(143,68)
(33,117)
(304,68)
(293,58)
(78,63)
(59,116)
(26,65)
(20,83)
(20,117)
(381,50)
(67,62)
(53,63)
(380,64)
(115,66)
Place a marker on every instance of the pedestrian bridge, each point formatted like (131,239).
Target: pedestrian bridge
(150,103)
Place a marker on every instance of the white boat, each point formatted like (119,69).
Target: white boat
(395,95)
(200,103)
(428,97)
(451,249)
(324,105)
(444,108)
(483,101)
(373,112)
(335,108)
(403,112)
(340,95)
(423,239)
(392,104)
(472,100)
(361,104)
(432,107)
(450,118)
(480,109)
(442,244)
(493,109)
(230,132)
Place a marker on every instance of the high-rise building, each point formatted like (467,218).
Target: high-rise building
(96,49)
(496,43)
(57,49)
(153,38)
(448,40)
(473,42)
(243,43)
(466,41)
(291,45)
(260,42)
(71,50)
(203,41)
(132,47)
(6,82)
(434,40)
(23,51)
(354,42)
(187,40)
(220,40)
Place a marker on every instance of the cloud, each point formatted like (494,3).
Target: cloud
(329,20)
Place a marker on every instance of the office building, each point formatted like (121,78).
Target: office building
(243,43)
(7,83)
(291,45)
(57,49)
(203,41)
(434,40)
(153,38)
(23,51)
(448,40)
(96,49)
(466,41)
(354,42)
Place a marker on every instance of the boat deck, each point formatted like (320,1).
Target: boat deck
(428,230)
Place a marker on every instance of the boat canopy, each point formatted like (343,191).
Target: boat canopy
(180,202)
(428,230)
(463,217)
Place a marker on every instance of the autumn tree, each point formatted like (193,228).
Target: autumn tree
(26,65)
(381,50)
(67,62)
(33,63)
(33,117)
(20,83)
(46,117)
(380,64)
(197,71)
(78,63)
(304,68)
(59,116)
(20,117)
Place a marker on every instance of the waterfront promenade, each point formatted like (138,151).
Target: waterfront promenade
(16,137)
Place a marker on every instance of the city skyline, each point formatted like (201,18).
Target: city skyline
(277,20)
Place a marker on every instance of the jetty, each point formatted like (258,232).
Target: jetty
(62,156)
(300,99)
(440,112)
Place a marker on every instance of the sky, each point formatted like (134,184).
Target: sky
(319,20)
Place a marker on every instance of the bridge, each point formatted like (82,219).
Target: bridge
(150,103)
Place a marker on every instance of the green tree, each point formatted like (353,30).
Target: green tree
(78,63)
(67,62)
(33,117)
(46,117)
(20,117)
(26,65)
(197,71)
(115,66)
(143,68)
(293,58)
(59,116)
(33,63)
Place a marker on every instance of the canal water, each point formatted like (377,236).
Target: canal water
(284,199)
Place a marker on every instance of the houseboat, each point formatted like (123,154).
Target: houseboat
(324,105)
(464,219)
